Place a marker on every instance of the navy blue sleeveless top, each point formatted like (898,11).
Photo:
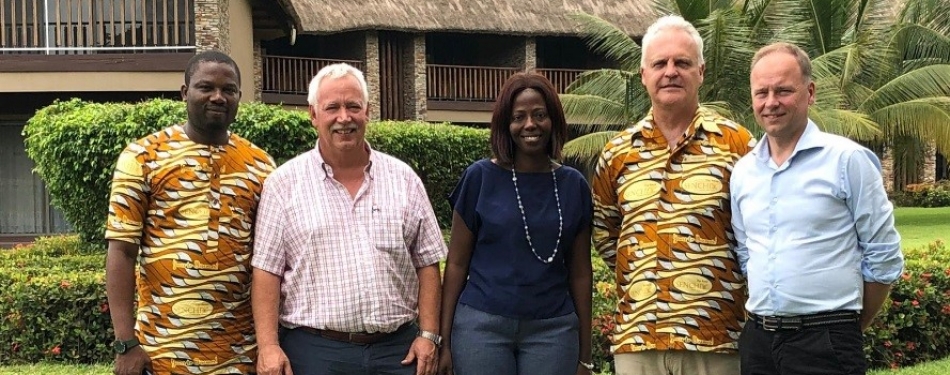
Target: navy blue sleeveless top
(505,278)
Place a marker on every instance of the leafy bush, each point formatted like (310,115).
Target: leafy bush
(54,303)
(75,145)
(438,153)
(924,195)
(913,327)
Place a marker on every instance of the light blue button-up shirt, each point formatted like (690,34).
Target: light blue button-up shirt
(811,231)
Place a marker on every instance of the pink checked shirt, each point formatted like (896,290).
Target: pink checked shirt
(347,264)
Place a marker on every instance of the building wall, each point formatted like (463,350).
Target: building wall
(90,81)
(240,33)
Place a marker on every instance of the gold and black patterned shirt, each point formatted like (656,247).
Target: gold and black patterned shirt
(190,208)
(662,218)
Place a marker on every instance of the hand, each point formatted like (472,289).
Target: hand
(423,351)
(445,361)
(581,370)
(133,362)
(271,360)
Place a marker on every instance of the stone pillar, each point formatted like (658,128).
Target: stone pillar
(371,73)
(887,169)
(929,172)
(530,54)
(258,71)
(419,77)
(211,25)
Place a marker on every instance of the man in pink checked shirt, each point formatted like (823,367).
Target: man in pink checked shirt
(346,256)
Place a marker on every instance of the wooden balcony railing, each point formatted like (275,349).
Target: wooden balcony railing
(292,75)
(561,78)
(95,26)
(466,83)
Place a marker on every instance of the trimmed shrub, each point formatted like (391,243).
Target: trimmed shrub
(913,326)
(54,305)
(75,145)
(924,195)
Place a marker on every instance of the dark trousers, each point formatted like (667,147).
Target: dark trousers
(310,354)
(836,349)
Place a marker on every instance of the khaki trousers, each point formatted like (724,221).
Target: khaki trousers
(676,362)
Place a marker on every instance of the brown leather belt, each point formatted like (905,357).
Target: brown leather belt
(352,337)
(793,323)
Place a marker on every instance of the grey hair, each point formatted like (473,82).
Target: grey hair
(336,71)
(671,22)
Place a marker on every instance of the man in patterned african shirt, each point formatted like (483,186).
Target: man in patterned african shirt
(182,204)
(661,217)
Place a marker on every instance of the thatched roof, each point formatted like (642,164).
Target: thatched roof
(523,17)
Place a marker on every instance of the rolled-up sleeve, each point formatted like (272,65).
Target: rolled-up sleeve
(882,260)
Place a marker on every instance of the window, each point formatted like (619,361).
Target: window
(24,202)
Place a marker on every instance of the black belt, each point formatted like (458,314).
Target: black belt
(354,337)
(792,323)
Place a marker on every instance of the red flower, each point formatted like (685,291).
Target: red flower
(104,307)
(887,344)
(920,293)
(946,272)
(55,350)
(926,276)
(911,345)
(915,303)
(946,309)
(905,276)
(64,284)
(16,347)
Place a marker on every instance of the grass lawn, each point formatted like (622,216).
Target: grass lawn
(931,368)
(921,226)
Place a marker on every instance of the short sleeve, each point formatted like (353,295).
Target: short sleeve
(464,198)
(127,199)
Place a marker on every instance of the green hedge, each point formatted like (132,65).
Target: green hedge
(924,195)
(75,144)
(913,327)
(54,305)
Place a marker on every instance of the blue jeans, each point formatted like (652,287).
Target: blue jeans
(483,343)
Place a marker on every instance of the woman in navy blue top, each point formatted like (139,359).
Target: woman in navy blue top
(517,287)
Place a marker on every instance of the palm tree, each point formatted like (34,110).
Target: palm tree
(881,72)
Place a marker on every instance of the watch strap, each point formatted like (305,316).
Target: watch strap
(435,338)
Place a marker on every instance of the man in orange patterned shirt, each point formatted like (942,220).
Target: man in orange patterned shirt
(661,217)
(182,204)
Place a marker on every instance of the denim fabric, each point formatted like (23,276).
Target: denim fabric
(310,354)
(483,343)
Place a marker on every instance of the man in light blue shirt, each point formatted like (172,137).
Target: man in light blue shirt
(814,228)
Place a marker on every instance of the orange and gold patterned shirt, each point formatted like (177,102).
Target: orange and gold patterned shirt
(190,208)
(662,218)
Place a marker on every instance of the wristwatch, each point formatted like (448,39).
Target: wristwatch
(588,366)
(436,339)
(120,347)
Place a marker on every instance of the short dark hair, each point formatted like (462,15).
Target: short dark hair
(502,146)
(210,56)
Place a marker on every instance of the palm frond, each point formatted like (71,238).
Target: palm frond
(583,152)
(851,124)
(925,118)
(607,83)
(915,42)
(728,50)
(934,14)
(604,38)
(929,81)
(593,110)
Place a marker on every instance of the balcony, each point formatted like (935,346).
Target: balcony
(286,78)
(66,35)
(455,87)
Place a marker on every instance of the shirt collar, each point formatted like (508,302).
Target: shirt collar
(326,171)
(811,138)
(704,120)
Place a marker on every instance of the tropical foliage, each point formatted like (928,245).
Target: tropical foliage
(882,68)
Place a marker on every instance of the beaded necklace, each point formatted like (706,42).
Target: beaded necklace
(524,219)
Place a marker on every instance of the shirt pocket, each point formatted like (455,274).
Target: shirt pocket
(388,234)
